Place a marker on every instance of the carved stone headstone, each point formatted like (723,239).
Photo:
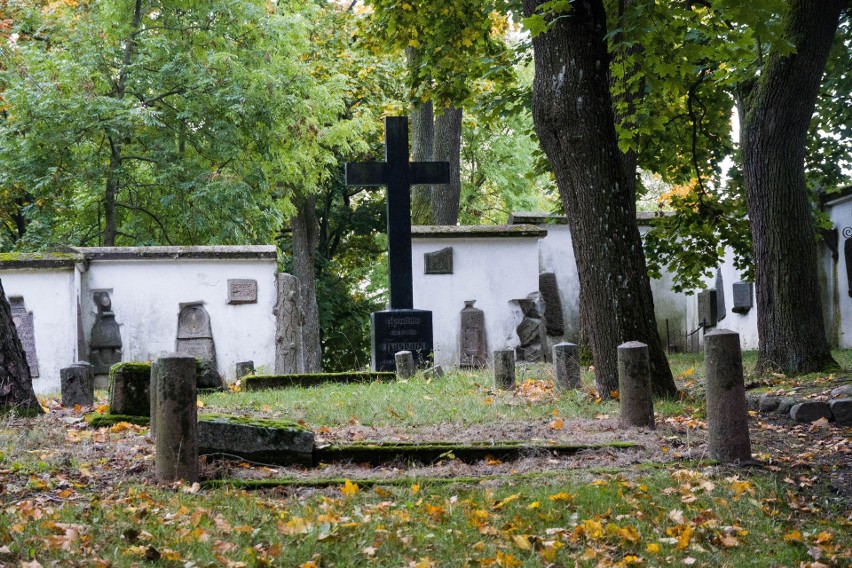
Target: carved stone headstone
(549,289)
(473,346)
(195,335)
(400,330)
(531,331)
(23,321)
(743,293)
(707,311)
(77,383)
(242,291)
(721,312)
(105,342)
(288,327)
(438,262)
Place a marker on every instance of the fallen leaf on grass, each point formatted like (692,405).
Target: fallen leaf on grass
(349,489)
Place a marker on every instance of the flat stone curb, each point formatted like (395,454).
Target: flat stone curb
(255,440)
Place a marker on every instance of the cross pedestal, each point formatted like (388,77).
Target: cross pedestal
(402,328)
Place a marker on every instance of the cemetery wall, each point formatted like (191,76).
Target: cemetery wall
(147,289)
(49,288)
(492,265)
(836,275)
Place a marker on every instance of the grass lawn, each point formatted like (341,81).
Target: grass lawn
(72,495)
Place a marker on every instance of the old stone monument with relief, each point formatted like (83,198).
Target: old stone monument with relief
(401,328)
(23,321)
(105,342)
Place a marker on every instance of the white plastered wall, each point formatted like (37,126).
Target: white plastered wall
(51,295)
(491,270)
(147,296)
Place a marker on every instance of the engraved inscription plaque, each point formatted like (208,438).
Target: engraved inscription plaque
(438,262)
(242,291)
(23,321)
(400,330)
(743,292)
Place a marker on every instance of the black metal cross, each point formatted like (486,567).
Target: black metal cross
(398,174)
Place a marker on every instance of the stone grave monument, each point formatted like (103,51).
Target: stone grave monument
(23,321)
(105,343)
(401,328)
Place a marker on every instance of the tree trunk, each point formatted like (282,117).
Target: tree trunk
(16,385)
(304,227)
(447,148)
(574,120)
(775,113)
(422,144)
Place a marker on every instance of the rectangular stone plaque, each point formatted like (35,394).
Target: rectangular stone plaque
(400,330)
(24,325)
(438,262)
(242,291)
(743,293)
(707,308)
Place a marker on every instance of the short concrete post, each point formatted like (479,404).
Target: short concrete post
(566,367)
(634,385)
(404,364)
(727,410)
(245,368)
(177,419)
(504,369)
(78,385)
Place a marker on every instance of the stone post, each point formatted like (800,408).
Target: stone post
(78,385)
(176,419)
(727,409)
(152,391)
(566,367)
(404,364)
(245,368)
(634,385)
(504,369)
(288,327)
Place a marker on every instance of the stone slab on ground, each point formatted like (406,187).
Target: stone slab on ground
(841,410)
(810,411)
(255,440)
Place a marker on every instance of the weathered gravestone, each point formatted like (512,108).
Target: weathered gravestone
(176,439)
(23,321)
(566,366)
(105,342)
(727,410)
(78,385)
(473,346)
(636,398)
(195,338)
(402,328)
(288,327)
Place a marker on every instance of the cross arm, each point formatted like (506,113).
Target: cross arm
(366,173)
(429,173)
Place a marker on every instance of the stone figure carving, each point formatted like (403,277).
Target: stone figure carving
(473,347)
(105,342)
(531,332)
(288,326)
(24,325)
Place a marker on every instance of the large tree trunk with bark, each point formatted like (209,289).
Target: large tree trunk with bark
(775,113)
(16,385)
(304,228)
(447,148)
(574,120)
(422,145)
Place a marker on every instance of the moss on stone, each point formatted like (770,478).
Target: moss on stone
(98,420)
(260,382)
(251,421)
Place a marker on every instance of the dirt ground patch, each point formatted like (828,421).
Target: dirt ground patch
(61,455)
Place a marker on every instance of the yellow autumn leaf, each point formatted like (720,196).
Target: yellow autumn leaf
(684,536)
(522,541)
(557,424)
(120,427)
(534,505)
(824,537)
(415,488)
(793,536)
(507,500)
(563,496)
(199,404)
(102,409)
(349,489)
(591,528)
(652,548)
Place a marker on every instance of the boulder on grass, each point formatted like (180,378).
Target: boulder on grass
(256,440)
(810,411)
